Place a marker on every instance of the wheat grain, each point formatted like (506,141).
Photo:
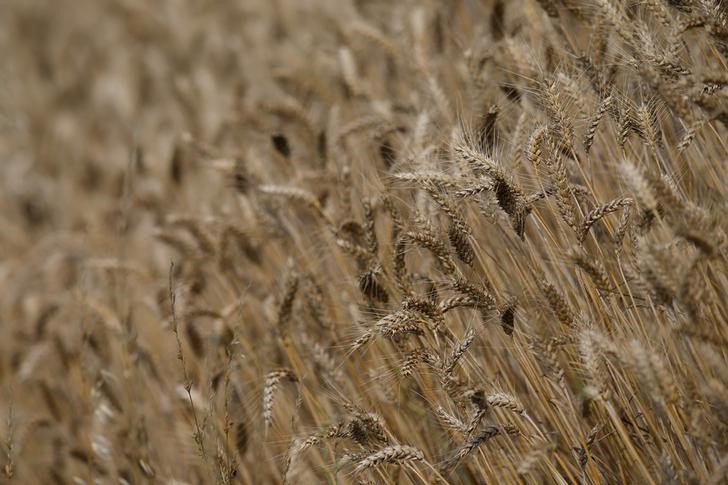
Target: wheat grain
(392,454)
(272,380)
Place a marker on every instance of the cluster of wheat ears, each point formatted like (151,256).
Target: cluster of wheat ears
(349,241)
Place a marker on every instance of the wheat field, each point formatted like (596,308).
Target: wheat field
(363,241)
